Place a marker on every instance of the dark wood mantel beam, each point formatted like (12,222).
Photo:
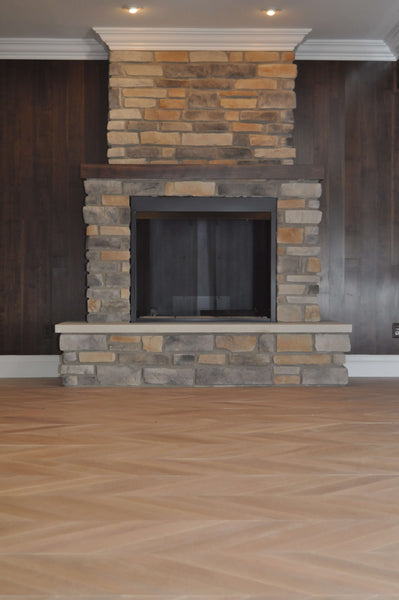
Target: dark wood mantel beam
(181,172)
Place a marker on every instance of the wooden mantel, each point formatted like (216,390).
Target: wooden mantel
(201,172)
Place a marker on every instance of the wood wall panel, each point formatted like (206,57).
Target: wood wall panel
(53,118)
(347,120)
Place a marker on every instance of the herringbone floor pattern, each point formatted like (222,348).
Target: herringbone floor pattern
(205,494)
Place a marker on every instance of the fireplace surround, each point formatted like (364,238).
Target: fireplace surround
(297,349)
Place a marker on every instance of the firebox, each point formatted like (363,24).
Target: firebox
(196,258)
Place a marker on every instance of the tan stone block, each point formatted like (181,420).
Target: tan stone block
(256,84)
(208,56)
(292,203)
(92,230)
(232,115)
(124,113)
(162,115)
(157,138)
(291,288)
(177,93)
(290,235)
(139,102)
(236,343)
(313,265)
(131,56)
(115,255)
(262,56)
(112,200)
(168,152)
(302,359)
(274,153)
(93,306)
(176,126)
(277,70)
(171,56)
(312,313)
(125,267)
(172,103)
(239,93)
(125,293)
(207,139)
(289,313)
(238,102)
(145,93)
(303,216)
(96,357)
(288,56)
(243,127)
(287,380)
(122,138)
(149,70)
(122,83)
(114,230)
(294,342)
(236,56)
(116,151)
(125,339)
(212,359)
(190,188)
(116,125)
(152,343)
(263,140)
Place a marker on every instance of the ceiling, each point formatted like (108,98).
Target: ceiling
(327,19)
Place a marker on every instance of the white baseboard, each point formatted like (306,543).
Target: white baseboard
(358,365)
(29,366)
(372,365)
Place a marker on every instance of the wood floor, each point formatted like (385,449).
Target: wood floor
(204,494)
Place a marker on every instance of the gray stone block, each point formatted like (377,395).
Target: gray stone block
(103,293)
(159,376)
(106,242)
(101,215)
(71,341)
(144,358)
(115,375)
(267,342)
(184,359)
(249,359)
(188,342)
(94,280)
(332,342)
(325,376)
(103,186)
(257,188)
(98,266)
(77,369)
(69,380)
(300,190)
(239,376)
(117,279)
(87,380)
(144,188)
(108,317)
(69,357)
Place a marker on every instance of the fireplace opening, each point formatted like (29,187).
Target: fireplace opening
(203,259)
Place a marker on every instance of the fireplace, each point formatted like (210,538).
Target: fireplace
(203,258)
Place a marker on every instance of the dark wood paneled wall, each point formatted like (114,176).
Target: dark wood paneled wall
(348,120)
(53,118)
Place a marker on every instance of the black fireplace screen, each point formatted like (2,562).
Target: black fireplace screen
(203,258)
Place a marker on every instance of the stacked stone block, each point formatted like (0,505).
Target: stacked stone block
(204,359)
(107,215)
(201,107)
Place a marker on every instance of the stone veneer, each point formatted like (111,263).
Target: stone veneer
(203,355)
(110,351)
(107,215)
(216,107)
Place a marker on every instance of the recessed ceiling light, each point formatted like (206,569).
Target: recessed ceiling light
(133,10)
(270,12)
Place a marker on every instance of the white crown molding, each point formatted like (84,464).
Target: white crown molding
(344,50)
(51,49)
(29,366)
(189,38)
(392,40)
(372,365)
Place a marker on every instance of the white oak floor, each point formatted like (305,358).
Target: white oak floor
(204,494)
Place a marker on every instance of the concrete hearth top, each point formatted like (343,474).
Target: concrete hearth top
(214,327)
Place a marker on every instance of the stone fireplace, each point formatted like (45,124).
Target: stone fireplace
(202,130)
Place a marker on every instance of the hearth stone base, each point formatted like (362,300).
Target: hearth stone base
(203,354)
